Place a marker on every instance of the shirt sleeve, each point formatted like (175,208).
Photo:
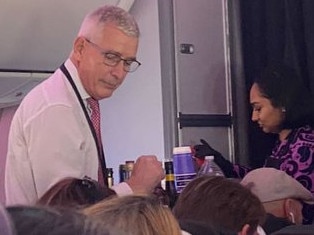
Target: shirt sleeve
(122,189)
(18,190)
(240,171)
(52,145)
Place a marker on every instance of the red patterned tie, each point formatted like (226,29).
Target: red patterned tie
(95,118)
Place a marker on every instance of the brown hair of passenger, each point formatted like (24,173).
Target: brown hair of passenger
(221,203)
(75,193)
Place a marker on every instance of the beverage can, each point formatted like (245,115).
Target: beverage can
(183,166)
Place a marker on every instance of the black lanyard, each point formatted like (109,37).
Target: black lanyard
(100,151)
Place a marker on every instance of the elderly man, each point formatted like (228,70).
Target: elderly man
(55,132)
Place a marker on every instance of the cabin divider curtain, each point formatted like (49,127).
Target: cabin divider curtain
(275,30)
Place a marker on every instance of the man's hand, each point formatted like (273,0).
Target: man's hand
(146,174)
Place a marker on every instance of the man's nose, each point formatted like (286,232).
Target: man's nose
(119,70)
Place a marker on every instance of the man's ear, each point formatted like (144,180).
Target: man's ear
(244,230)
(246,227)
(293,210)
(78,47)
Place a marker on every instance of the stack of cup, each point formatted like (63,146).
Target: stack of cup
(183,166)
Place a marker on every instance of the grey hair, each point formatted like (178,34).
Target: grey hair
(112,14)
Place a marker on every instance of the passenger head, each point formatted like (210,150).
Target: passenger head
(105,50)
(280,194)
(135,215)
(280,100)
(221,203)
(30,220)
(75,193)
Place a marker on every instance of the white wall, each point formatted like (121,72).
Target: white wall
(132,119)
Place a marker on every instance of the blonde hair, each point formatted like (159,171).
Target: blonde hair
(134,215)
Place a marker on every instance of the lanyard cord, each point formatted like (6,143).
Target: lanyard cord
(99,148)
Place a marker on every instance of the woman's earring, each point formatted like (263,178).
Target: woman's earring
(283,109)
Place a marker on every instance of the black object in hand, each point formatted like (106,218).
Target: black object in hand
(204,149)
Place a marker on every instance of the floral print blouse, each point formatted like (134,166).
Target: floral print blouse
(295,156)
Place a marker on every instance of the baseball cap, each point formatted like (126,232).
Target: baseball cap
(270,184)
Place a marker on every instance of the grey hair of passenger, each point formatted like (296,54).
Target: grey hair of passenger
(109,14)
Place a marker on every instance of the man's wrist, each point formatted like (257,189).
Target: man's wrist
(122,189)
(135,186)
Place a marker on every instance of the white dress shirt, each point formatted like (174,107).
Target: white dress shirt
(50,139)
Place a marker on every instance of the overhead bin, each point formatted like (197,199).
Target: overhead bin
(36,38)
(14,86)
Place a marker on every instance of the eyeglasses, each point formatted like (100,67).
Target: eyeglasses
(88,182)
(113,59)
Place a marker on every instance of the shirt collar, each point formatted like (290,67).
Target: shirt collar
(76,79)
